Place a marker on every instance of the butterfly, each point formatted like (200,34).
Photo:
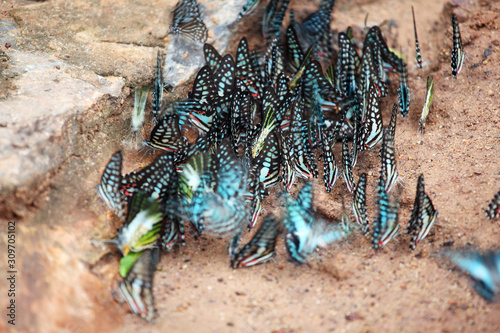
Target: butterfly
(316,88)
(212,57)
(404,90)
(304,161)
(195,180)
(269,109)
(386,225)
(359,204)
(294,53)
(212,189)
(203,89)
(137,286)
(316,28)
(372,130)
(267,164)
(273,63)
(254,195)
(273,18)
(417,48)
(245,70)
(458,54)
(110,185)
(391,128)
(201,115)
(224,76)
(241,118)
(493,210)
(389,172)
(303,231)
(278,17)
(427,104)
(140,98)
(346,66)
(154,180)
(172,226)
(484,269)
(187,21)
(225,206)
(287,162)
(142,225)
(166,135)
(158,88)
(347,166)
(423,215)
(330,169)
(261,247)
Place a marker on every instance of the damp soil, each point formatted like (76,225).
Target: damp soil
(68,285)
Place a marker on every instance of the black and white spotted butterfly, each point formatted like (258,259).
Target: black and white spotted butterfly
(154,179)
(137,287)
(387,153)
(359,204)
(330,169)
(187,21)
(158,88)
(110,186)
(372,130)
(245,70)
(261,247)
(166,135)
(493,210)
(423,215)
(347,166)
(458,54)
(418,55)
(204,88)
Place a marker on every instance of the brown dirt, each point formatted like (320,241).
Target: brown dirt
(68,285)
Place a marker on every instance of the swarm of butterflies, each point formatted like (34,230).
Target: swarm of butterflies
(263,119)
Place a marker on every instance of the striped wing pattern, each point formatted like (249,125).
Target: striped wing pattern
(110,186)
(187,21)
(423,215)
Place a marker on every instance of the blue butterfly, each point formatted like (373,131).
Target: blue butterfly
(304,231)
(484,269)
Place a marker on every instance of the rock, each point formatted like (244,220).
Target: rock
(33,116)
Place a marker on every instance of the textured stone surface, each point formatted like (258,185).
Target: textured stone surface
(53,73)
(48,93)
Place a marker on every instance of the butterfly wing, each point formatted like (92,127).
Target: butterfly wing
(110,186)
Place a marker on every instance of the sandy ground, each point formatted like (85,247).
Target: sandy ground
(346,287)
